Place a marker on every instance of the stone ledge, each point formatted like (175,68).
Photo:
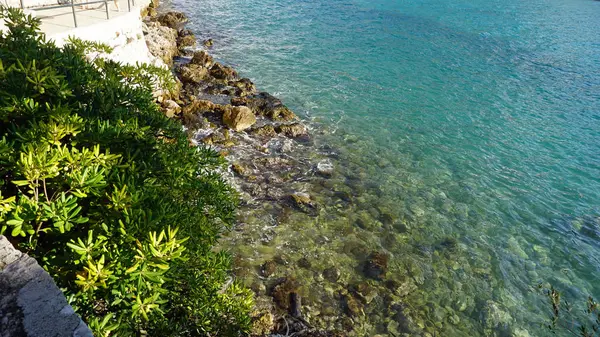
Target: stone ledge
(30,302)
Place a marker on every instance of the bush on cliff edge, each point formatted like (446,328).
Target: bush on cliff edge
(105,191)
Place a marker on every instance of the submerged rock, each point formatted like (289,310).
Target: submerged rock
(376,266)
(239,118)
(208,43)
(304,263)
(352,306)
(303,202)
(331,274)
(325,168)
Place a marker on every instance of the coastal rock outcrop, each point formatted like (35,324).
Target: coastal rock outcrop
(172,20)
(268,105)
(161,41)
(202,58)
(192,73)
(185,39)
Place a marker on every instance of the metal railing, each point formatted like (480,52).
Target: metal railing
(72,4)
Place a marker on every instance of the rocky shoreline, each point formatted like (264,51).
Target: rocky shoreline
(253,130)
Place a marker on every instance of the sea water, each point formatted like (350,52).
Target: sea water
(473,127)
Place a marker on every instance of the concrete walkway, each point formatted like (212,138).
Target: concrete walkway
(58,20)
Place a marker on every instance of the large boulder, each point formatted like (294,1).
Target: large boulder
(239,118)
(222,72)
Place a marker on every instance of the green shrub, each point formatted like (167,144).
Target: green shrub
(108,195)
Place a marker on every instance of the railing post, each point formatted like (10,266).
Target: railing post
(22,5)
(129,5)
(73,9)
(106,6)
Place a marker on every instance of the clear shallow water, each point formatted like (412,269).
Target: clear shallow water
(472,120)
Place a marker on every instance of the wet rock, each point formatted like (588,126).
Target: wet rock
(222,72)
(214,138)
(186,39)
(192,73)
(172,19)
(202,58)
(268,268)
(281,292)
(376,265)
(199,106)
(161,41)
(208,43)
(238,101)
(245,86)
(239,118)
(267,105)
(292,130)
(281,114)
(331,274)
(325,168)
(170,108)
(265,131)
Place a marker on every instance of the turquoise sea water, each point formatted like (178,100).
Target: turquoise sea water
(472,120)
